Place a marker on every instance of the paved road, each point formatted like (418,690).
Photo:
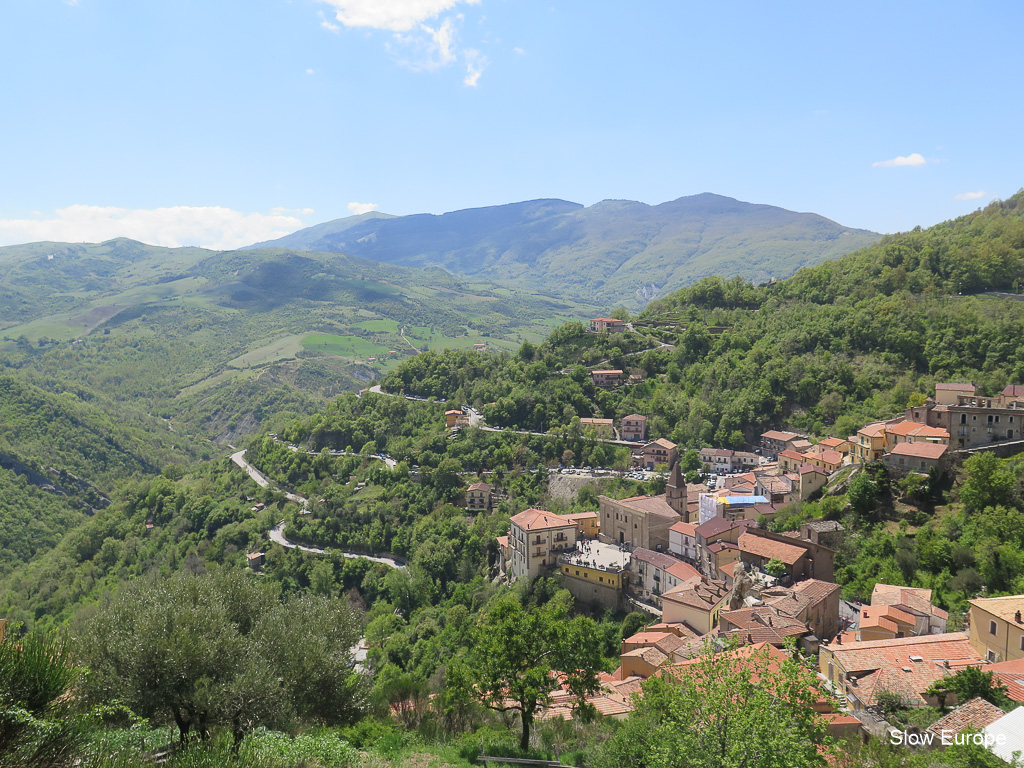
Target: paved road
(277,532)
(277,536)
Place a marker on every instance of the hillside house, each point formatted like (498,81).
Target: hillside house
(607,325)
(634,428)
(868,443)
(803,559)
(607,379)
(997,627)
(478,497)
(597,575)
(682,542)
(972,420)
(775,441)
(949,394)
(654,573)
(907,667)
(451,417)
(660,451)
(695,603)
(916,457)
(536,538)
(916,601)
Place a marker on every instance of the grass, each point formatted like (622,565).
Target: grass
(282,349)
(380,326)
(343,346)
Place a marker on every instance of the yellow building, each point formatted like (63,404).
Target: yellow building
(698,605)
(997,627)
(868,443)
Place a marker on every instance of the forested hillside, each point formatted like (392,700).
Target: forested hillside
(618,252)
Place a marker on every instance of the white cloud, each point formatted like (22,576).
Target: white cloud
(896,162)
(395,15)
(969,196)
(475,65)
(360,208)
(309,71)
(518,50)
(443,38)
(212,227)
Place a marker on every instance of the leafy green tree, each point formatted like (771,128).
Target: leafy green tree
(518,657)
(971,683)
(862,493)
(208,650)
(775,567)
(737,709)
(988,482)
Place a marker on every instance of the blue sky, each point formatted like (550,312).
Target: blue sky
(223,122)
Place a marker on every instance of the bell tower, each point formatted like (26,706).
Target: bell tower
(675,491)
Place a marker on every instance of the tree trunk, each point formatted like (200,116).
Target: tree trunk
(183,725)
(524,742)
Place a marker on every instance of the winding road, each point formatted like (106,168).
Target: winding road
(277,532)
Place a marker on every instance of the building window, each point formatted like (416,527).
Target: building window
(1022,642)
(992,628)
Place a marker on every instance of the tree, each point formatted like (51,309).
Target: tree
(775,567)
(970,683)
(987,482)
(748,707)
(519,657)
(225,649)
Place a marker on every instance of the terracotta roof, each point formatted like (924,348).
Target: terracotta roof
(1005,608)
(680,628)
(974,715)
(887,616)
(891,594)
(769,549)
(661,441)
(800,445)
(1011,674)
(683,571)
(719,525)
(650,654)
(651,505)
(608,371)
(816,590)
(791,454)
(832,442)
(718,546)
(634,417)
(479,487)
(538,519)
(577,516)
(825,454)
(704,594)
(605,320)
(503,541)
(955,387)
(1013,390)
(873,430)
(905,666)
(608,422)
(687,529)
(657,559)
(908,428)
(919,450)
(774,434)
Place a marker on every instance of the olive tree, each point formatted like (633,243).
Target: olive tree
(224,649)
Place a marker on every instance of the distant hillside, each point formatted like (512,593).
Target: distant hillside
(616,251)
(194,343)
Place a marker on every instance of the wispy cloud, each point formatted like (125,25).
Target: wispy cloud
(361,208)
(476,62)
(900,161)
(969,196)
(424,32)
(394,15)
(206,226)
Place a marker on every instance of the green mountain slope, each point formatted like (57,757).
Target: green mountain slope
(217,343)
(615,251)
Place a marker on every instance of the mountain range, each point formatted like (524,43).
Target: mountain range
(613,252)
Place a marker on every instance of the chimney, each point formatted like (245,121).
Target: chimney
(1016,617)
(839,639)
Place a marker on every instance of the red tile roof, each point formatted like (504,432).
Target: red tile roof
(1011,674)
(774,434)
(539,519)
(931,451)
(974,715)
(687,529)
(769,549)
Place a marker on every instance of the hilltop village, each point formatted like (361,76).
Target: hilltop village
(702,562)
